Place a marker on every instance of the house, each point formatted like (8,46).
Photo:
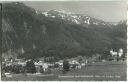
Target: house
(20,62)
(115,56)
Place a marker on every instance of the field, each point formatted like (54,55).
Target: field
(99,71)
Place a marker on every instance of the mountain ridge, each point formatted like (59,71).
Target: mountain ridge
(33,35)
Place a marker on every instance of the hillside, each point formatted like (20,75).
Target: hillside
(31,34)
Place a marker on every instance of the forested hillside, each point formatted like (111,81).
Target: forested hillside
(31,34)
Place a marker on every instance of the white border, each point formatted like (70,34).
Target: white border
(74,0)
(127,40)
(63,0)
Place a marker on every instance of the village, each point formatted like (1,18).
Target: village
(46,65)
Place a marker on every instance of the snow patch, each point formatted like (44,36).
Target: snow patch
(62,16)
(53,16)
(87,21)
(95,23)
(45,13)
(74,16)
(76,21)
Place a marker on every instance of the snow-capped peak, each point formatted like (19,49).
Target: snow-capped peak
(63,11)
(72,17)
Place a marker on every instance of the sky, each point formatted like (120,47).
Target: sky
(109,11)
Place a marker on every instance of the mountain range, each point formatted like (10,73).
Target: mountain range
(29,33)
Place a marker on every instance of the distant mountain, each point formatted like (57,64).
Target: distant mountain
(72,17)
(29,33)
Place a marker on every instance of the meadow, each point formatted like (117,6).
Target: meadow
(99,71)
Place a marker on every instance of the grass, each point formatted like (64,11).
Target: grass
(99,71)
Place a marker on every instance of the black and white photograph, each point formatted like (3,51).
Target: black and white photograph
(64,40)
